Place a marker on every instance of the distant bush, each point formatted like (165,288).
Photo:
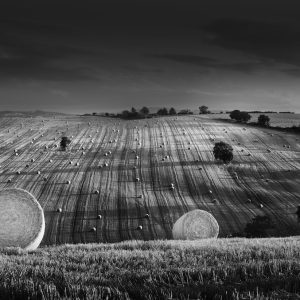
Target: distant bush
(263,120)
(223,151)
(259,227)
(203,110)
(162,112)
(172,111)
(240,116)
(185,112)
(65,141)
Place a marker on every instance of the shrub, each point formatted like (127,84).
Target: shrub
(223,151)
(263,120)
(240,116)
(162,112)
(65,141)
(203,109)
(172,111)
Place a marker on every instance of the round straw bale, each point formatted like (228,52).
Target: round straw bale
(96,192)
(194,225)
(137,179)
(68,182)
(93,229)
(140,227)
(21,218)
(99,217)
(9,180)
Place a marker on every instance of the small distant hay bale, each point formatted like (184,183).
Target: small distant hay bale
(105,165)
(50,160)
(38,172)
(96,192)
(68,182)
(140,227)
(32,160)
(18,172)
(261,205)
(70,162)
(99,217)
(137,179)
(194,225)
(210,191)
(9,180)
(77,164)
(21,218)
(93,229)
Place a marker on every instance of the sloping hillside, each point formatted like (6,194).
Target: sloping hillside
(116,172)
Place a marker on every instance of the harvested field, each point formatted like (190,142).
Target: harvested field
(123,171)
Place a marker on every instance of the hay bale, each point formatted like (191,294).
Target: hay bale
(9,181)
(140,227)
(194,225)
(21,218)
(137,179)
(68,182)
(99,217)
(93,229)
(97,192)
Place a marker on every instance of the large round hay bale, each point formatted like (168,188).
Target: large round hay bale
(21,218)
(194,225)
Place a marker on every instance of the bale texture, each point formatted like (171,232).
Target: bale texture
(21,218)
(194,225)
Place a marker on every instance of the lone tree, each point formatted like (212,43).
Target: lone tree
(203,109)
(144,110)
(65,141)
(263,120)
(223,151)
(259,227)
(172,111)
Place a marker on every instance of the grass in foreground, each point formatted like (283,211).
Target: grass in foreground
(208,269)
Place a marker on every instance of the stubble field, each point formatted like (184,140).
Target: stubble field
(116,175)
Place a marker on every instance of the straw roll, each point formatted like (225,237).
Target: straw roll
(196,224)
(21,218)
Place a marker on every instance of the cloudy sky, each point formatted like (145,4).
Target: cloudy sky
(109,55)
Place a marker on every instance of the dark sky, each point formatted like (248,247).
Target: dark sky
(85,56)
